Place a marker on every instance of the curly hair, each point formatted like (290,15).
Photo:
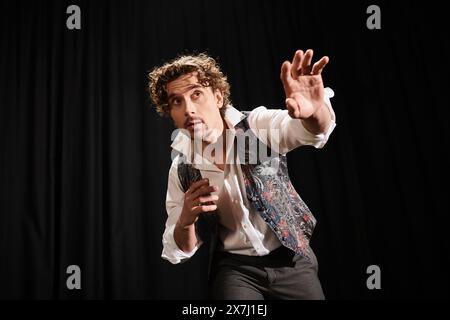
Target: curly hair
(208,74)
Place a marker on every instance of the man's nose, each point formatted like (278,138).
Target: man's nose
(190,107)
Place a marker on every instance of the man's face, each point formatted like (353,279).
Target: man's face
(195,108)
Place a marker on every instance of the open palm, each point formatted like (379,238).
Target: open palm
(303,84)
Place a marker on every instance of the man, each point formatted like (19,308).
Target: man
(225,191)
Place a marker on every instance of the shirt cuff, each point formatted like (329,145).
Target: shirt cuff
(171,251)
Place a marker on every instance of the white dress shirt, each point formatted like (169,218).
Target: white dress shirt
(241,228)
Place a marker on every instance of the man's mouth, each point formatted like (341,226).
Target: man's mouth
(191,124)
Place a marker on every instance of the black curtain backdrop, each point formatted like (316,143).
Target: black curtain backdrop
(84,156)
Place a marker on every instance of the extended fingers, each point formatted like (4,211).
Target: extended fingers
(306,62)
(302,65)
(319,65)
(296,64)
(285,74)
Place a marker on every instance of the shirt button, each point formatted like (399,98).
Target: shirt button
(244,226)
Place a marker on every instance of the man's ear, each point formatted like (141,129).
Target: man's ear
(219,98)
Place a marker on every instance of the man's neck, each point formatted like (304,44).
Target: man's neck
(218,159)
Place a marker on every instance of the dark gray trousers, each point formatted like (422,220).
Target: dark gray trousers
(279,275)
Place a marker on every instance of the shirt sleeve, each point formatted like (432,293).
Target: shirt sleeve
(174,205)
(281,133)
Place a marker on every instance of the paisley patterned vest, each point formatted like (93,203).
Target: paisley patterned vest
(269,190)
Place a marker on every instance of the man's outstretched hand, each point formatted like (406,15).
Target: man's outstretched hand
(303,86)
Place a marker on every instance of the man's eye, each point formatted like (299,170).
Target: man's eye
(175,102)
(197,93)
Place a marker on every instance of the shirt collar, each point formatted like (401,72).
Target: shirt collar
(183,143)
